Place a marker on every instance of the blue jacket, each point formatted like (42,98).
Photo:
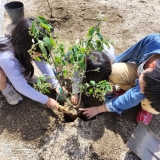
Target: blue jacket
(138,53)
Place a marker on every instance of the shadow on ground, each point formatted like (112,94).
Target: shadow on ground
(29,118)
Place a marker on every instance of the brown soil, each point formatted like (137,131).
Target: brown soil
(31,131)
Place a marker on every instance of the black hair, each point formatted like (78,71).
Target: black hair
(99,60)
(152,86)
(21,43)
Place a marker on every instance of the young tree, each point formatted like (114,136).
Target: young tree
(75,57)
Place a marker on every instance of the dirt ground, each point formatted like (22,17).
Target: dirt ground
(31,131)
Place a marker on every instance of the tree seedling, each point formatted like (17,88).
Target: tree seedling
(74,58)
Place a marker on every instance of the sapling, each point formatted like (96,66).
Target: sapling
(51,16)
(75,57)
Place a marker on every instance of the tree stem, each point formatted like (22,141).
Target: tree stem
(50,9)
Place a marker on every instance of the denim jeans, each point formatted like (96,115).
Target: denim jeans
(141,51)
(138,53)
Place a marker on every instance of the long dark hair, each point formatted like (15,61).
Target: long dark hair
(152,86)
(99,60)
(21,43)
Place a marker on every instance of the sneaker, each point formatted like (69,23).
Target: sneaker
(31,80)
(114,95)
(108,97)
(11,95)
(119,93)
(144,116)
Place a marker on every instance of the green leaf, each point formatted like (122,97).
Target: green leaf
(91,90)
(53,42)
(43,49)
(42,19)
(46,90)
(109,88)
(57,60)
(99,36)
(39,82)
(98,30)
(35,30)
(106,43)
(44,56)
(92,82)
(47,42)
(91,32)
(74,49)
(65,73)
(104,19)
(45,26)
(98,43)
(37,59)
(82,64)
(61,47)
(81,57)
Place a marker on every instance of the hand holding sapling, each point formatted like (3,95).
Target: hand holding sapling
(75,99)
(51,103)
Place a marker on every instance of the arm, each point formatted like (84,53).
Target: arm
(92,111)
(128,100)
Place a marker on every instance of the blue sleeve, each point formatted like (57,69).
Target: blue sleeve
(129,99)
(142,50)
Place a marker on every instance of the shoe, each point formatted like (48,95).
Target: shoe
(11,95)
(108,97)
(144,116)
(114,95)
(119,93)
(31,80)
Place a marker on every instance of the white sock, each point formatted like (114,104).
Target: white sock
(6,87)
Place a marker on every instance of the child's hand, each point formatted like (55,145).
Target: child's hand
(75,99)
(89,112)
(51,103)
(92,111)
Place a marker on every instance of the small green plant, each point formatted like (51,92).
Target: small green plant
(97,90)
(42,85)
(41,31)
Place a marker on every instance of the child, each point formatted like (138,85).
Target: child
(102,60)
(145,54)
(16,64)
